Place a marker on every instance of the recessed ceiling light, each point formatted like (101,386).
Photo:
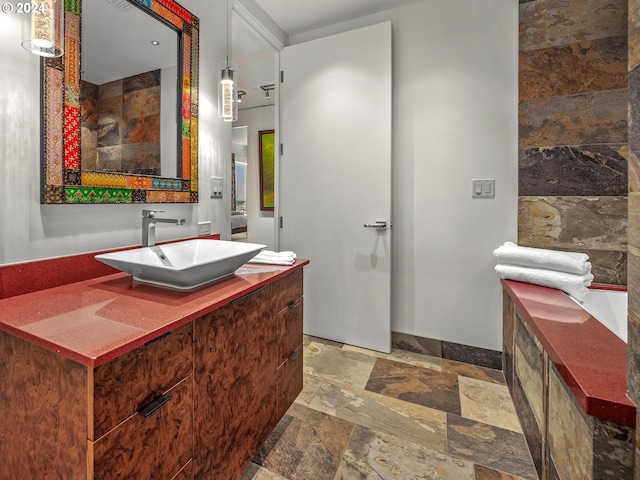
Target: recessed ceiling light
(155,43)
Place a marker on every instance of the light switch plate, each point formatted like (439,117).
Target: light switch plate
(483,188)
(216,187)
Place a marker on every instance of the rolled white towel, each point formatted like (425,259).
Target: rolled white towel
(574,285)
(274,258)
(569,262)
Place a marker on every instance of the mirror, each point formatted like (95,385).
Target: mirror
(128,90)
(118,126)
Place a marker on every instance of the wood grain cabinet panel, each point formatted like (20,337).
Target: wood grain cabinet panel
(186,473)
(235,390)
(290,380)
(290,329)
(157,446)
(175,439)
(289,305)
(287,290)
(125,384)
(44,413)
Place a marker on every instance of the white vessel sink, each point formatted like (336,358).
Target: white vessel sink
(183,265)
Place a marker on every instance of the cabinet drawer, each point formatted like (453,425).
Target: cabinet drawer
(287,290)
(290,381)
(290,329)
(125,384)
(156,446)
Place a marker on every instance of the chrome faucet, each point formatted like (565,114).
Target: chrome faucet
(149,221)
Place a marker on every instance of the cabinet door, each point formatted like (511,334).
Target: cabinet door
(156,446)
(235,363)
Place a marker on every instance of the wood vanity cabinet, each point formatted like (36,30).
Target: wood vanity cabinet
(65,420)
(240,374)
(195,403)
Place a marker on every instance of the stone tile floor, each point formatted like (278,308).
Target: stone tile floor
(368,415)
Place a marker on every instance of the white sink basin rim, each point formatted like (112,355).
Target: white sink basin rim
(183,265)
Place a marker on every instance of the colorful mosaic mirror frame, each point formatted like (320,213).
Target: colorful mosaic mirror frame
(63,179)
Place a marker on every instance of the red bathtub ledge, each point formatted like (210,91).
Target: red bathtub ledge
(591,359)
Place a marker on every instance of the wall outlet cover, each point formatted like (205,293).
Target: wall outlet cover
(204,228)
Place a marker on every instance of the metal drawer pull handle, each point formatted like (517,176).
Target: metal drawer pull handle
(246,295)
(294,304)
(154,405)
(293,356)
(157,339)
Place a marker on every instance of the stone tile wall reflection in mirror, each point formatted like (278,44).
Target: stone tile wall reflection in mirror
(120,125)
(125,149)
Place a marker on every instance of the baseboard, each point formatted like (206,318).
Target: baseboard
(482,357)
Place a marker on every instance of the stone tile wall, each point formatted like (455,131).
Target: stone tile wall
(633,359)
(88,125)
(121,125)
(448,350)
(573,130)
(582,447)
(528,390)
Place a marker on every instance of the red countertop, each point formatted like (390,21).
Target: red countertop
(590,358)
(95,320)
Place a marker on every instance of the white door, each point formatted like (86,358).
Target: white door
(335,176)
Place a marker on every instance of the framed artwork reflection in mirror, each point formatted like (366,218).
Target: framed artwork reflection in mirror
(267,169)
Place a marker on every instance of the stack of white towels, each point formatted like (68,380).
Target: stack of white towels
(566,271)
(274,258)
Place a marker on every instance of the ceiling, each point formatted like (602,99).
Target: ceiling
(116,38)
(298,16)
(256,63)
(256,60)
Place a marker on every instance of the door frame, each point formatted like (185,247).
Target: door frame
(277,45)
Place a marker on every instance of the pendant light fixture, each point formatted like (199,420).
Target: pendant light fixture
(227,101)
(47,28)
(227,95)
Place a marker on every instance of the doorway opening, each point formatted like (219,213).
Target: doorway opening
(258,69)
(239,224)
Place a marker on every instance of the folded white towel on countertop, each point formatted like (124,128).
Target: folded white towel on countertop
(574,285)
(274,258)
(272,254)
(569,262)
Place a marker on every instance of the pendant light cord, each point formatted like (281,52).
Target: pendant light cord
(228,30)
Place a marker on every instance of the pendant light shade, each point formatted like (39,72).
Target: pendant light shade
(227,88)
(47,28)
(227,94)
